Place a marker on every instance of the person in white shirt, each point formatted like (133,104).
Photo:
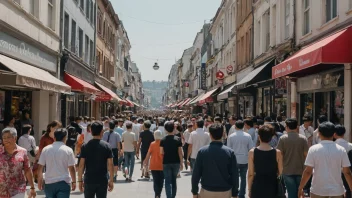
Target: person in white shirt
(129,146)
(241,143)
(325,161)
(340,140)
(306,129)
(161,127)
(197,140)
(232,121)
(28,142)
(186,136)
(59,162)
(316,139)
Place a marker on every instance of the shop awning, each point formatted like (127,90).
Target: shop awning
(135,104)
(181,102)
(251,75)
(108,94)
(184,102)
(207,97)
(224,94)
(27,76)
(333,49)
(80,85)
(129,103)
(197,99)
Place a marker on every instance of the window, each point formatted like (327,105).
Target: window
(91,55)
(100,22)
(331,9)
(87,9)
(17,1)
(66,29)
(287,18)
(74,48)
(80,40)
(51,12)
(267,31)
(91,12)
(86,51)
(31,6)
(81,4)
(306,15)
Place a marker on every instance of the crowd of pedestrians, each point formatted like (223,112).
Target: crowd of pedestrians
(227,157)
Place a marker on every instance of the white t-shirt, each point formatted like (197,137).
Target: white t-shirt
(327,159)
(136,129)
(306,132)
(128,138)
(27,142)
(198,139)
(186,135)
(231,131)
(344,144)
(57,157)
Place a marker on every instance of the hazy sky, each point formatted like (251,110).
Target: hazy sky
(162,29)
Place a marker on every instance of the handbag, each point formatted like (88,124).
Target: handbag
(280,188)
(32,152)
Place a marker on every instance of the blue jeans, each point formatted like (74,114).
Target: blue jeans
(57,190)
(242,170)
(129,162)
(170,175)
(292,183)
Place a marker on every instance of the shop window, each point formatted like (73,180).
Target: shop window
(70,106)
(306,104)
(338,106)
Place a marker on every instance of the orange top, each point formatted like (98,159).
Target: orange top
(79,144)
(156,159)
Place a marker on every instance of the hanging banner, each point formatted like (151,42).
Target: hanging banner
(203,77)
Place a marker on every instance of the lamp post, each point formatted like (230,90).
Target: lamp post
(156,66)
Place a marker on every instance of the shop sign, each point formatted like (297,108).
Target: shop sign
(77,70)
(27,53)
(186,84)
(229,69)
(281,86)
(331,80)
(203,77)
(220,75)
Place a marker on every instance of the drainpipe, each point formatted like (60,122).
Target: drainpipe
(60,73)
(293,44)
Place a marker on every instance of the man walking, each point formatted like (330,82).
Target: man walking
(171,148)
(216,168)
(145,139)
(59,162)
(197,140)
(241,143)
(129,147)
(114,139)
(294,149)
(326,159)
(249,127)
(96,160)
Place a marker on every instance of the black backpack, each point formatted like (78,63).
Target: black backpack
(71,136)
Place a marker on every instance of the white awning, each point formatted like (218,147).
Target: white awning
(25,75)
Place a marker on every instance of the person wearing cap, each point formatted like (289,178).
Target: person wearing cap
(306,129)
(156,163)
(59,162)
(15,169)
(114,139)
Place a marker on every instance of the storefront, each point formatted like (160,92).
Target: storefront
(28,80)
(226,100)
(318,73)
(280,100)
(107,101)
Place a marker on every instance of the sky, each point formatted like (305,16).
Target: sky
(160,30)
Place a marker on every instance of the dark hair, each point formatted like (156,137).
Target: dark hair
(239,124)
(54,123)
(260,122)
(140,120)
(129,125)
(326,129)
(248,122)
(291,123)
(169,127)
(71,118)
(112,125)
(279,118)
(268,119)
(266,132)
(322,119)
(200,123)
(78,118)
(216,131)
(60,134)
(86,118)
(97,128)
(147,124)
(233,117)
(218,119)
(340,130)
(179,128)
(25,129)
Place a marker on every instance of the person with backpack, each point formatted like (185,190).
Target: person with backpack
(114,139)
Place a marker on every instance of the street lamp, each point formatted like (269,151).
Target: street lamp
(156,66)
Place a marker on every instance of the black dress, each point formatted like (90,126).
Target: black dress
(265,178)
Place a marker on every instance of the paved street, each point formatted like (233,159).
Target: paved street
(141,188)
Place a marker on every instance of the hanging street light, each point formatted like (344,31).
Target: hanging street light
(156,66)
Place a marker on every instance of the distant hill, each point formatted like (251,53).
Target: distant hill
(154,84)
(154,91)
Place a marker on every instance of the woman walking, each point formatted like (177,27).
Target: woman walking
(264,166)
(156,163)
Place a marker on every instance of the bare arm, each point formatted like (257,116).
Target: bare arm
(279,161)
(250,176)
(72,170)
(135,145)
(111,169)
(307,173)
(147,158)
(189,151)
(139,144)
(347,173)
(81,169)
(29,176)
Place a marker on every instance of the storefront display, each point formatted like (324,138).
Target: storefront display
(246,106)
(20,102)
